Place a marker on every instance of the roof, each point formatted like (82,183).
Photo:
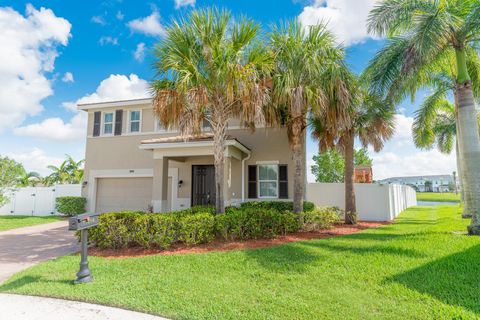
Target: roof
(181,140)
(438,176)
(115,103)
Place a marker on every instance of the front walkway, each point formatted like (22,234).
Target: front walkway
(38,308)
(23,247)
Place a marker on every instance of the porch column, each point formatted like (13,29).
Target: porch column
(160,185)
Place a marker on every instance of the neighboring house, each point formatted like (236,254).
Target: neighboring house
(433,183)
(363,174)
(132,163)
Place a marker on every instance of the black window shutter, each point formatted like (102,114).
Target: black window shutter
(252,182)
(283,181)
(96,123)
(118,122)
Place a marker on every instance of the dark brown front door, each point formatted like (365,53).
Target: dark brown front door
(203,185)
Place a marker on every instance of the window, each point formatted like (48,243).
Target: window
(268,181)
(108,123)
(134,125)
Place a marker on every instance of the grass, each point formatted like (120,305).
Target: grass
(13,222)
(421,267)
(438,196)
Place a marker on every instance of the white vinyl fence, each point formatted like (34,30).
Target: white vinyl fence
(375,202)
(37,201)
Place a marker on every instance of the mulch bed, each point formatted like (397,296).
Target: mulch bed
(222,245)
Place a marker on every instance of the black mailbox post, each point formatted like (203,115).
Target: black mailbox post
(82,223)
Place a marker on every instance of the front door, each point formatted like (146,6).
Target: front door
(203,185)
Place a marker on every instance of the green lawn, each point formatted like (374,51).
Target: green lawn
(13,222)
(438,196)
(421,267)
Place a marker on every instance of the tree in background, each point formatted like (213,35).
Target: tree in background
(10,171)
(28,179)
(212,67)
(329,166)
(69,171)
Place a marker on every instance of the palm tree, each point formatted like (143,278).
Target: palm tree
(69,172)
(422,36)
(28,179)
(435,124)
(372,122)
(211,67)
(309,76)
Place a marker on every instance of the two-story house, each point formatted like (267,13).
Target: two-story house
(132,163)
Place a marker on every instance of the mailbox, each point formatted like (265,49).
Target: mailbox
(82,221)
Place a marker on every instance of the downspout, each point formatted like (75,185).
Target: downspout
(243,175)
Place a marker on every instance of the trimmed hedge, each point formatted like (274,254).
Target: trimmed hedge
(70,206)
(276,205)
(198,225)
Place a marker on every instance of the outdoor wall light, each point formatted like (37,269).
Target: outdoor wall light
(84,183)
(180,183)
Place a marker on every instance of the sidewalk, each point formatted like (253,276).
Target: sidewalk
(37,308)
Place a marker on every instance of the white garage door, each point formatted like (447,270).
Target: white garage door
(116,194)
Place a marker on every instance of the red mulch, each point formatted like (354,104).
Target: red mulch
(222,245)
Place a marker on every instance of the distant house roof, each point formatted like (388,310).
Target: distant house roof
(426,177)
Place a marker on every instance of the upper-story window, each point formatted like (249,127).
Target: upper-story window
(108,123)
(268,181)
(135,120)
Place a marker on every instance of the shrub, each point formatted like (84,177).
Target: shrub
(321,218)
(276,205)
(197,228)
(70,206)
(254,223)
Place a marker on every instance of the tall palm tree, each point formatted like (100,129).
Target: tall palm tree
(28,179)
(422,34)
(211,67)
(309,76)
(372,122)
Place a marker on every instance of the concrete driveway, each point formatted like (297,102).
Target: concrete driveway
(23,247)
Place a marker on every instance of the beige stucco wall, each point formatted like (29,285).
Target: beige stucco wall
(123,152)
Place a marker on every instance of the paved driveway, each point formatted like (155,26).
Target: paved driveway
(24,247)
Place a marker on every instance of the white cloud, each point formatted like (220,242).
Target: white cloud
(28,52)
(118,87)
(183,3)
(36,160)
(115,87)
(149,25)
(56,129)
(68,77)
(119,15)
(139,53)
(98,20)
(400,157)
(108,40)
(346,18)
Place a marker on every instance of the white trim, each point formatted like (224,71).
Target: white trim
(267,162)
(259,181)
(187,144)
(110,104)
(129,117)
(102,123)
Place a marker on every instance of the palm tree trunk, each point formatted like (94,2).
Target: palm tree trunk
(298,179)
(469,142)
(350,206)
(219,136)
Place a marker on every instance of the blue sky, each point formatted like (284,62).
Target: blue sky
(56,53)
